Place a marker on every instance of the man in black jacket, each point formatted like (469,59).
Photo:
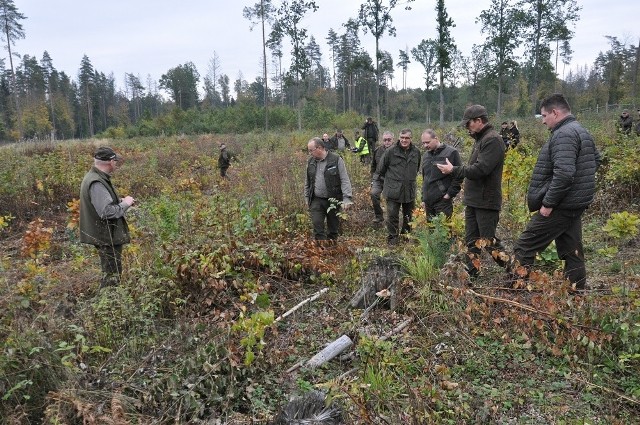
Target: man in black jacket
(482,188)
(562,187)
(327,189)
(626,122)
(370,133)
(339,142)
(438,189)
(378,183)
(224,161)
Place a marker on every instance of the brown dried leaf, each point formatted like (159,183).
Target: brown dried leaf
(448,385)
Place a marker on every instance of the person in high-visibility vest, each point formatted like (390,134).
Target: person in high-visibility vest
(362,148)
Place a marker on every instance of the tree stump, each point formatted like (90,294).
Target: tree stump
(383,273)
(311,408)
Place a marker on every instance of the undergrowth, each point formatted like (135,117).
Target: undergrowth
(195,331)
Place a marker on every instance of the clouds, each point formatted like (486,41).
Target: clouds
(150,37)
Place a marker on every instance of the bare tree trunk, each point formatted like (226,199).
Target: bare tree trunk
(14,83)
(634,87)
(89,112)
(53,114)
(499,107)
(441,97)
(377,82)
(264,55)
(350,89)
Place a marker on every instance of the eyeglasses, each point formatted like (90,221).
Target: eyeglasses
(387,139)
(405,137)
(311,150)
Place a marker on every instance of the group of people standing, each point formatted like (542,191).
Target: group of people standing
(561,188)
(510,134)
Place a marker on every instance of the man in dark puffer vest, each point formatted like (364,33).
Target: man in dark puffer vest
(562,186)
(102,221)
(327,189)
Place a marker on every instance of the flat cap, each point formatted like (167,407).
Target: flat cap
(472,112)
(105,153)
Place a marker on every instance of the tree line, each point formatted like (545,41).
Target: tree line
(38,101)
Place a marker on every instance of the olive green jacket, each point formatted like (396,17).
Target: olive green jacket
(95,230)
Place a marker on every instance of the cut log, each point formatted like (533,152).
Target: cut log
(330,351)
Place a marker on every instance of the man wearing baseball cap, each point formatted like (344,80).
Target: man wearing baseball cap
(102,221)
(482,187)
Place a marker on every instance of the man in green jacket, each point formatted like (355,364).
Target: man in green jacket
(102,221)
(399,167)
(482,188)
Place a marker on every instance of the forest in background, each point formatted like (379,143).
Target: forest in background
(39,102)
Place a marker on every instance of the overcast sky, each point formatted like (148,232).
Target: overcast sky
(152,36)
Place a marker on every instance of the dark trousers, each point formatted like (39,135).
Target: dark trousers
(223,172)
(322,209)
(377,207)
(372,144)
(444,206)
(480,223)
(110,263)
(393,217)
(563,226)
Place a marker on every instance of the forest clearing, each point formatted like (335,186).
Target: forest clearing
(225,297)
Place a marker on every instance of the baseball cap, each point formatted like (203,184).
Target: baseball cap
(105,153)
(472,112)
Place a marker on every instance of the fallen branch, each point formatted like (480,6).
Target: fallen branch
(347,373)
(608,390)
(395,330)
(568,320)
(301,303)
(295,366)
(330,351)
(506,301)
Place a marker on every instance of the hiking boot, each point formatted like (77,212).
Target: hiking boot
(473,273)
(578,290)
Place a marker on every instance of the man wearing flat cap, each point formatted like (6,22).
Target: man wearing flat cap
(482,187)
(102,221)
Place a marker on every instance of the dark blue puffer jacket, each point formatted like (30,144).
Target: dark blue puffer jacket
(564,175)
